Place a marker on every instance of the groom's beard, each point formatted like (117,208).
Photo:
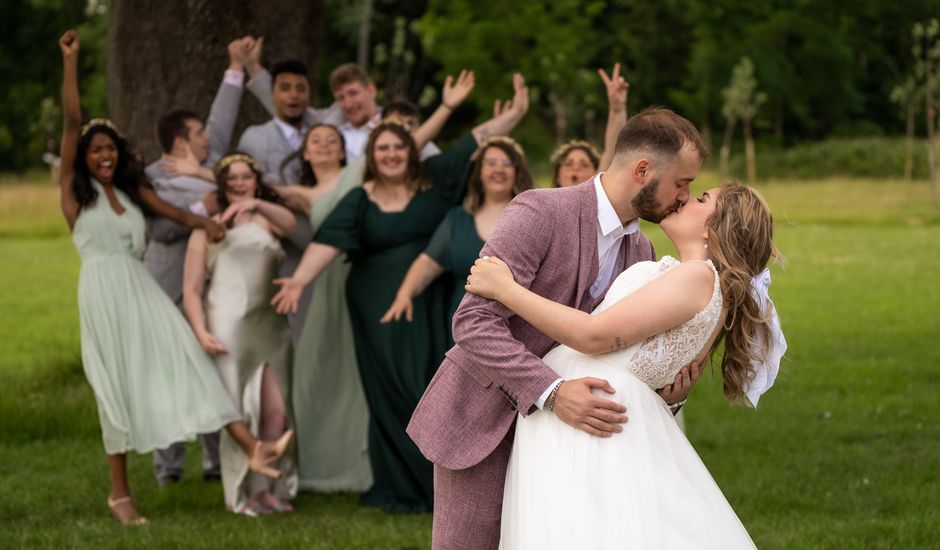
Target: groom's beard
(647,207)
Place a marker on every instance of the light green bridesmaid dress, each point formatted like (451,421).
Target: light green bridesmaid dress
(153,383)
(330,410)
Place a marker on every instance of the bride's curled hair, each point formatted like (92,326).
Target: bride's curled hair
(740,243)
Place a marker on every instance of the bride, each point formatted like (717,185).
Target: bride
(644,487)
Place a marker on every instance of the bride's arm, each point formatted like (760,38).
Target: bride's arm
(659,305)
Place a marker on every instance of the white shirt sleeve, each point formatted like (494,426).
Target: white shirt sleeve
(540,402)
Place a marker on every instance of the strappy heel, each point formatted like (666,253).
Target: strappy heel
(113,505)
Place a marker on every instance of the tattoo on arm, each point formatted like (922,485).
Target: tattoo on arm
(618,344)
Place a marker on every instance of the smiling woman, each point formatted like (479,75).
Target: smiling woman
(138,366)
(248,340)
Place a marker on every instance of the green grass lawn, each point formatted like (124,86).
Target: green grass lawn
(844,452)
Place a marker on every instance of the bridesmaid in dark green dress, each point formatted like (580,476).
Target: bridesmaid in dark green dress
(382,227)
(499,173)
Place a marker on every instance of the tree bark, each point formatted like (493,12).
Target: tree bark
(749,153)
(909,157)
(171,55)
(726,148)
(365,24)
(931,145)
(561,117)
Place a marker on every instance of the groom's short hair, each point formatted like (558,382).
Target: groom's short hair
(660,133)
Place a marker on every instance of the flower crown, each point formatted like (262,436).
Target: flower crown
(390,121)
(565,148)
(99,122)
(506,140)
(228,160)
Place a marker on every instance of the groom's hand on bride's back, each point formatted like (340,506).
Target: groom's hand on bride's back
(577,406)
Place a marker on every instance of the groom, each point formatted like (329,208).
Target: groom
(567,245)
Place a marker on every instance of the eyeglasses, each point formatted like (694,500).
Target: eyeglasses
(497,163)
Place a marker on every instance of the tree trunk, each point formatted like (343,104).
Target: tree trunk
(171,55)
(749,154)
(561,117)
(726,148)
(909,157)
(931,146)
(365,25)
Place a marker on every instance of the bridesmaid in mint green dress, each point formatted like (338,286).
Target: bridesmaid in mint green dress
(153,383)
(331,417)
(499,173)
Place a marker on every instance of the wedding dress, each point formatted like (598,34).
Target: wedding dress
(643,488)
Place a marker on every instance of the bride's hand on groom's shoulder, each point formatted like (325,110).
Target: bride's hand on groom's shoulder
(490,278)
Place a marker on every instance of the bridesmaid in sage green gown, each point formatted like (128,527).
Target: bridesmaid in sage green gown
(499,173)
(153,384)
(330,412)
(383,226)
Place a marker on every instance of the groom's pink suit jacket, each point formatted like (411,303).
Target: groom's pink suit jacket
(548,237)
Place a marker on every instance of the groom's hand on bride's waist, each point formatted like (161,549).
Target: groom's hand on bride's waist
(577,406)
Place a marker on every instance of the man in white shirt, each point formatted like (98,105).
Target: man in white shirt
(355,95)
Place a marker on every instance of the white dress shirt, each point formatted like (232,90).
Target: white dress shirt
(290,132)
(610,232)
(357,137)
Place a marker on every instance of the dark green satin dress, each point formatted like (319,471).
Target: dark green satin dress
(396,360)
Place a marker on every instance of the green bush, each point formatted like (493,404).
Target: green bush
(866,157)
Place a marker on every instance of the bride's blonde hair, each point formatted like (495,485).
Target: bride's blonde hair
(740,243)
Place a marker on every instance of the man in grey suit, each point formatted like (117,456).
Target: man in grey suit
(183,177)
(270,143)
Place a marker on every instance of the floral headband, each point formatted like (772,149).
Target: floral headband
(506,140)
(99,122)
(565,148)
(228,160)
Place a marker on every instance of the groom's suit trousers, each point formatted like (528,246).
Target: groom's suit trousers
(470,501)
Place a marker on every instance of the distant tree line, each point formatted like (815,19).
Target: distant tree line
(822,67)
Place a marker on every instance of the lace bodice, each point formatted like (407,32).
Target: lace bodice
(656,360)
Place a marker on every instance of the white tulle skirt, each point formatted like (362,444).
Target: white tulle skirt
(643,488)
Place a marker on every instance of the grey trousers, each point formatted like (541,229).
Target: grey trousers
(169,462)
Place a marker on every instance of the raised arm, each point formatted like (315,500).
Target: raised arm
(502,123)
(69,45)
(421,273)
(260,85)
(259,79)
(194,280)
(617,93)
(661,304)
(224,110)
(452,96)
(161,208)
